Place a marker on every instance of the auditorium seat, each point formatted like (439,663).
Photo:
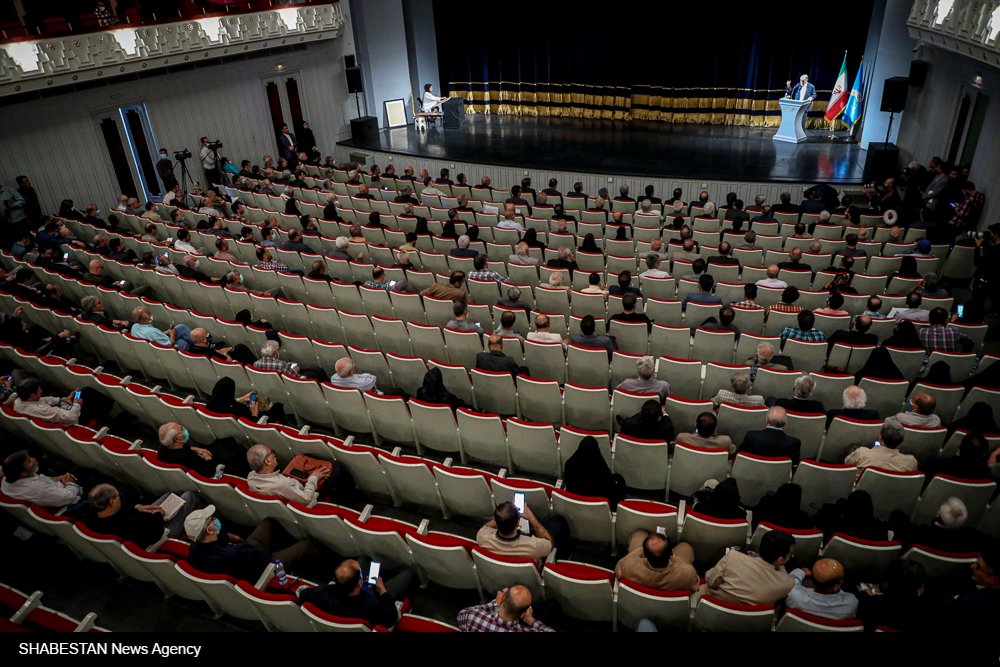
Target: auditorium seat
(714,615)
(539,400)
(633,515)
(736,421)
(496,572)
(863,558)
(683,375)
(483,436)
(465,491)
(589,519)
(411,480)
(320,621)
(975,494)
(845,432)
(710,537)
(532,446)
(796,620)
(584,591)
(587,407)
(325,522)
(643,463)
(587,366)
(885,396)
(891,490)
(756,475)
(624,404)
(445,559)
(976,395)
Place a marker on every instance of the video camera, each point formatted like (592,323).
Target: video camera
(214,145)
(182,155)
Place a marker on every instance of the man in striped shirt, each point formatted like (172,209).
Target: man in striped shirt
(787,305)
(264,261)
(804,331)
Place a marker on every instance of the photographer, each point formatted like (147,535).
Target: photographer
(987,260)
(208,163)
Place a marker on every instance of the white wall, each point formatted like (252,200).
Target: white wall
(932,110)
(58,143)
(895,51)
(381,47)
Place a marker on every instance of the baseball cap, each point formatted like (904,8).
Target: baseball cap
(196,521)
(924,245)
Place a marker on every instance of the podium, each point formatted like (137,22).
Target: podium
(792,113)
(453,109)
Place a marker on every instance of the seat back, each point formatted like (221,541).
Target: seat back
(756,475)
(584,591)
(891,490)
(845,432)
(589,518)
(975,494)
(714,615)
(863,557)
(497,572)
(796,620)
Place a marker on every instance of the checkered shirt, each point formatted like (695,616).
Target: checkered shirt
(485,618)
(272,266)
(275,364)
(942,338)
(485,274)
(811,336)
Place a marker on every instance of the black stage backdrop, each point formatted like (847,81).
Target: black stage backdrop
(723,63)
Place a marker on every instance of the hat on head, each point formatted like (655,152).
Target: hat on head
(923,245)
(196,521)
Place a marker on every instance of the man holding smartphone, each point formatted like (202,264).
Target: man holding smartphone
(350,595)
(503,536)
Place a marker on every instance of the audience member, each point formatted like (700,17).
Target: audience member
(628,314)
(801,402)
(783,508)
(645,383)
(650,423)
(589,338)
(587,473)
(720,500)
(805,331)
(511,611)
(885,453)
(745,579)
(494,360)
(825,599)
(142,524)
(772,440)
(501,535)
(346,378)
(653,561)
(920,413)
(706,436)
(21,481)
(854,401)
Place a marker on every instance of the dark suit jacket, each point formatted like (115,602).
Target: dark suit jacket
(771,442)
(286,148)
(616,290)
(463,252)
(956,466)
(563,264)
(727,261)
(406,199)
(812,206)
(794,266)
(786,208)
(330,213)
(862,413)
(806,405)
(519,201)
(498,362)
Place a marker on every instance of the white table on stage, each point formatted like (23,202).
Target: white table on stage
(792,113)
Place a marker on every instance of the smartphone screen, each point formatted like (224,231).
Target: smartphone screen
(961,311)
(253,397)
(519,502)
(66,259)
(878,443)
(373,572)
(77,394)
(392,283)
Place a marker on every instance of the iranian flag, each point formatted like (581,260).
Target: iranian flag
(838,98)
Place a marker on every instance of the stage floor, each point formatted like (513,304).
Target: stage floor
(631,148)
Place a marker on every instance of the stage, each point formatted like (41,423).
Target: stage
(631,148)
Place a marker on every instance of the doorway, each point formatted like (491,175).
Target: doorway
(284,104)
(132,150)
(968,125)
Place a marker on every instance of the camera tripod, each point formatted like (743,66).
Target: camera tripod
(185,177)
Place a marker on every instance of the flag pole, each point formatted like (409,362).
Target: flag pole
(833,121)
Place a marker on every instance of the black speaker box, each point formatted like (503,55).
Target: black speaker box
(349,60)
(894,94)
(918,72)
(880,162)
(354,84)
(364,129)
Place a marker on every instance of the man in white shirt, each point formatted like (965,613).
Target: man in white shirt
(825,599)
(430,190)
(21,481)
(542,334)
(52,409)
(652,266)
(921,413)
(509,221)
(208,163)
(521,255)
(346,378)
(174,193)
(772,279)
(183,244)
(913,311)
(266,479)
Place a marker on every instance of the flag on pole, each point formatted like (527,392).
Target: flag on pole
(853,110)
(838,99)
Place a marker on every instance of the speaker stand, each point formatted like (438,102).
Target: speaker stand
(357,101)
(888,130)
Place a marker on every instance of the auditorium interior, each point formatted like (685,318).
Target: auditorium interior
(735,293)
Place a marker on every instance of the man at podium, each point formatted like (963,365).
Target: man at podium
(803,91)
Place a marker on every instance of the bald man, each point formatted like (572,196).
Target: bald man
(178,336)
(200,345)
(920,413)
(825,599)
(350,595)
(794,262)
(773,441)
(510,611)
(772,279)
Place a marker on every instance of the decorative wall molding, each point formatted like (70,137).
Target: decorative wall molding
(49,62)
(968,27)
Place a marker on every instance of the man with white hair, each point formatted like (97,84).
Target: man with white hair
(509,221)
(947,532)
(223,454)
(463,249)
(772,440)
(565,260)
(520,255)
(740,383)
(855,400)
(645,383)
(406,196)
(885,454)
(646,211)
(709,211)
(763,359)
(772,279)
(346,378)
(758,201)
(330,210)
(342,243)
(750,242)
(801,402)
(269,360)
(803,91)
(266,479)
